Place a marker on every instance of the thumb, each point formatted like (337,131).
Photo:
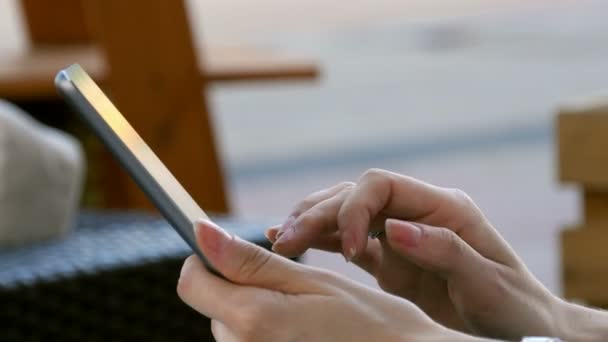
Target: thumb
(244,263)
(433,248)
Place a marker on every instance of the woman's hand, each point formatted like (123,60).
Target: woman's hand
(438,251)
(269,298)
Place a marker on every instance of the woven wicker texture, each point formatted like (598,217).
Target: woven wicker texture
(112,279)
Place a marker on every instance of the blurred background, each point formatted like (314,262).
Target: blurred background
(459,93)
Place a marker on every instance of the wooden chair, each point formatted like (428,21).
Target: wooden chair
(143,53)
(582,136)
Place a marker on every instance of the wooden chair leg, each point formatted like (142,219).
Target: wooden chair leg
(155,81)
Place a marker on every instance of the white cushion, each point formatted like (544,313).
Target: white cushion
(41,176)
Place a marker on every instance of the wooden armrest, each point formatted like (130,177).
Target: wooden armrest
(240,63)
(29,74)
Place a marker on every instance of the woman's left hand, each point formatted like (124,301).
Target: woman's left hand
(266,297)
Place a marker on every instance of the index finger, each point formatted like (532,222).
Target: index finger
(406,198)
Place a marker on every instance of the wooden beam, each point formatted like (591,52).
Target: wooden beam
(155,81)
(583,143)
(28,75)
(595,208)
(585,270)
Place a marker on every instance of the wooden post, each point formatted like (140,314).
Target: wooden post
(582,134)
(149,68)
(56,22)
(155,81)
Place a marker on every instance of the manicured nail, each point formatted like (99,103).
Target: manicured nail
(288,223)
(348,246)
(210,235)
(286,236)
(351,253)
(404,233)
(271,233)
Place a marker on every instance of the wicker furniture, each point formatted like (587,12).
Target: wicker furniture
(112,279)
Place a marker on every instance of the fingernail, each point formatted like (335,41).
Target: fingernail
(404,233)
(348,246)
(288,223)
(351,254)
(270,233)
(288,235)
(210,235)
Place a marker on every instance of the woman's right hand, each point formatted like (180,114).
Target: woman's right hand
(438,251)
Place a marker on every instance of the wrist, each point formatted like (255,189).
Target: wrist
(579,323)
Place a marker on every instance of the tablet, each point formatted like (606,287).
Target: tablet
(148,171)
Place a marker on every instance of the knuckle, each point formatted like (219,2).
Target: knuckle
(461,197)
(316,197)
(344,219)
(308,219)
(378,179)
(357,212)
(374,173)
(248,326)
(304,205)
(454,246)
(253,263)
(463,210)
(490,301)
(346,186)
(255,320)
